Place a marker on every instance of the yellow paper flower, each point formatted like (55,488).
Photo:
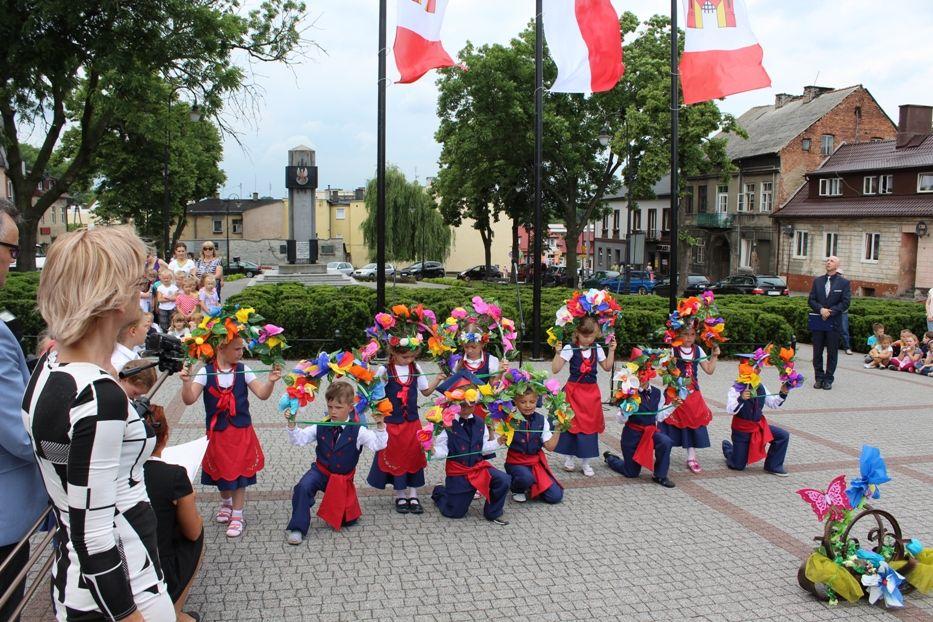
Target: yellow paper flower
(551,337)
(242,315)
(471,395)
(273,341)
(435,414)
(506,430)
(207,322)
(485,390)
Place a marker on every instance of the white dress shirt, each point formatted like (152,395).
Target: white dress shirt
(440,442)
(732,404)
(121,356)
(375,440)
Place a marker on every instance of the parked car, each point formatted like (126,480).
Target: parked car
(526,272)
(247,268)
(368,272)
(598,277)
(696,285)
(430,270)
(341,267)
(640,282)
(40,259)
(480,273)
(755,284)
(557,276)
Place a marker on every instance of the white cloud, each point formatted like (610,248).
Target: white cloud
(329,99)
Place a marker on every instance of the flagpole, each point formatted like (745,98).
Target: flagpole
(536,352)
(381,167)
(675,176)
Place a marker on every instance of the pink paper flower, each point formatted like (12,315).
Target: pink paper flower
(269,330)
(707,297)
(552,385)
(458,313)
(385,320)
(368,351)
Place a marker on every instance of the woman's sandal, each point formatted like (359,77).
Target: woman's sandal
(415,507)
(223,514)
(235,527)
(401,506)
(694,466)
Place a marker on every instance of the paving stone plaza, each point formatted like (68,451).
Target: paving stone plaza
(722,545)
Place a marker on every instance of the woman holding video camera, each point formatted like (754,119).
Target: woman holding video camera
(90,443)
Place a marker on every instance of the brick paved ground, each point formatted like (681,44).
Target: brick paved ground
(720,546)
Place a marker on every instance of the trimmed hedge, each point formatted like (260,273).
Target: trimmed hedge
(18,296)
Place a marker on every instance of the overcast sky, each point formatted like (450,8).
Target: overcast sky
(328,101)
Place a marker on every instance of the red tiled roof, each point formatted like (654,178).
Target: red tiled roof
(802,206)
(877,156)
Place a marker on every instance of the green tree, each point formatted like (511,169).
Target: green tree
(65,63)
(415,228)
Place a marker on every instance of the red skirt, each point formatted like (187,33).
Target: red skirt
(233,453)
(404,453)
(586,401)
(692,414)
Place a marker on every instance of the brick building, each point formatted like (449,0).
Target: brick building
(731,221)
(870,204)
(652,216)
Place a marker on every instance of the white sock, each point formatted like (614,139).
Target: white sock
(585,462)
(400,494)
(238,514)
(227,503)
(412,493)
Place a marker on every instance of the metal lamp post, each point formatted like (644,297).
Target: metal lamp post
(605,137)
(194,115)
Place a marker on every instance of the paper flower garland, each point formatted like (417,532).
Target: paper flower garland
(496,332)
(780,358)
(403,327)
(841,565)
(598,304)
(626,392)
(263,341)
(514,383)
(700,313)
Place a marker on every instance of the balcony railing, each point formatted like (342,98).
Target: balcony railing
(714,221)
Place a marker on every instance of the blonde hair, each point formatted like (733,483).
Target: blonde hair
(87,274)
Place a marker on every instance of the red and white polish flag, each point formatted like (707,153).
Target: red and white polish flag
(418,47)
(721,54)
(585,41)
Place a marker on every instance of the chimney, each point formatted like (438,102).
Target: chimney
(255,196)
(782,98)
(812,92)
(359,194)
(915,123)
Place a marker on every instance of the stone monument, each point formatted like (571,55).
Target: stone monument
(301,182)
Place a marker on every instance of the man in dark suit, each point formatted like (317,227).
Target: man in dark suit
(830,298)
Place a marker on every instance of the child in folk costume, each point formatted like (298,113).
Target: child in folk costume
(686,426)
(234,455)
(582,441)
(753,438)
(402,462)
(525,461)
(337,454)
(643,443)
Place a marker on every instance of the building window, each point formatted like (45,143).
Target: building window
(64,214)
(767,196)
(653,223)
(722,199)
(699,252)
(740,201)
(885,184)
(801,244)
(605,226)
(53,217)
(830,245)
(925,182)
(826,144)
(745,254)
(805,143)
(872,247)
(666,219)
(616,218)
(750,197)
(831,187)
(636,220)
(701,199)
(236,225)
(870,185)
(218,225)
(341,213)
(688,200)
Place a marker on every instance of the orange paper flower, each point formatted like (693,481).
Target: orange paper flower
(400,310)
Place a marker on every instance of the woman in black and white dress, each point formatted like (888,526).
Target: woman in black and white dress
(89,441)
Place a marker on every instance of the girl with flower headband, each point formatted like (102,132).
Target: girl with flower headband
(582,440)
(233,455)
(687,425)
(402,462)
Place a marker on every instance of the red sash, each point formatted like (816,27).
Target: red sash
(540,469)
(403,454)
(644,453)
(226,403)
(340,503)
(761,436)
(478,475)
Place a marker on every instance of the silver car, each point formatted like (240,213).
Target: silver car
(341,267)
(368,272)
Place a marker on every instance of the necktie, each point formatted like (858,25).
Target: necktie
(828,285)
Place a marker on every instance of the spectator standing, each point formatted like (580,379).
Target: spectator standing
(209,263)
(22,493)
(930,309)
(181,262)
(829,299)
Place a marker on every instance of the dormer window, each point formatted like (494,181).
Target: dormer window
(831,187)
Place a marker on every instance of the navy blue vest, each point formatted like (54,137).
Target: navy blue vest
(396,391)
(482,371)
(576,361)
(689,367)
(528,442)
(240,394)
(466,437)
(338,453)
(751,409)
(650,401)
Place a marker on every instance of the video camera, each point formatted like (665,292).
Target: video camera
(168,349)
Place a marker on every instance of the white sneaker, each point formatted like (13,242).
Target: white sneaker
(294,537)
(569,464)
(588,470)
(868,365)
(519,497)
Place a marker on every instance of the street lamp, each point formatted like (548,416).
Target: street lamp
(605,136)
(194,115)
